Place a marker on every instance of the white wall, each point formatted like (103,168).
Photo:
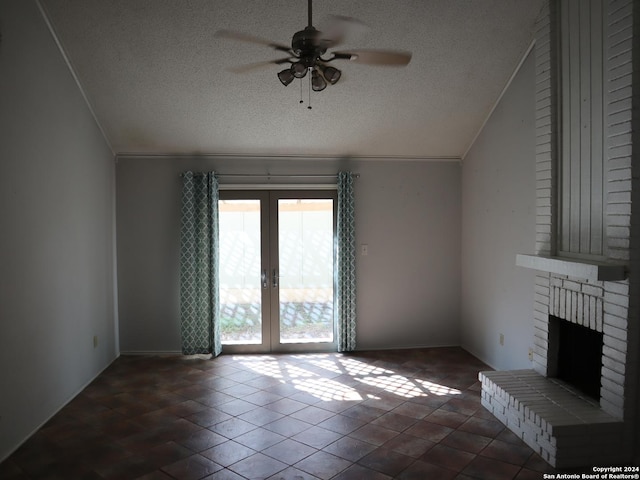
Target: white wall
(56,238)
(498,221)
(407,212)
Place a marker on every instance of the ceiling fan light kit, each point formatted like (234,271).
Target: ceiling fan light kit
(308,47)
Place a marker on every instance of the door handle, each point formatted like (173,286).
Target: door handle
(265,279)
(274,279)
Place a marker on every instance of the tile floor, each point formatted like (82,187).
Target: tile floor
(406,414)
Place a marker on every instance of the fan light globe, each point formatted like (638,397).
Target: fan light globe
(298,70)
(285,76)
(318,83)
(332,75)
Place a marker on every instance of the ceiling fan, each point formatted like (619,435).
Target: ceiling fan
(308,47)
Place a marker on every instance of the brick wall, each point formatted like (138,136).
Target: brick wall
(607,307)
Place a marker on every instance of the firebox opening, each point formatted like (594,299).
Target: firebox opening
(579,356)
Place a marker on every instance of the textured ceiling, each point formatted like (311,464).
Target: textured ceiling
(157,79)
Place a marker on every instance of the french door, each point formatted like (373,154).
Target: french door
(277,253)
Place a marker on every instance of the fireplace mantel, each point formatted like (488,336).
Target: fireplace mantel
(592,271)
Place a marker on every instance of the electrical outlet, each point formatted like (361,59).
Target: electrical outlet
(364,249)
(501,339)
(531,354)
(95,341)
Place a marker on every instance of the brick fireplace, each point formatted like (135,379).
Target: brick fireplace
(561,422)
(566,425)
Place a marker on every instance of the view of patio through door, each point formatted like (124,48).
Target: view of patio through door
(277,270)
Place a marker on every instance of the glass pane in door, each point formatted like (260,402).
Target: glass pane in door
(240,267)
(305,253)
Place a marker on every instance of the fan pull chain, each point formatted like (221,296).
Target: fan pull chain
(301,100)
(309,107)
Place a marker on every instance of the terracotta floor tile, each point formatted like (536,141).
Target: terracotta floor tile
(208,417)
(236,407)
(489,469)
(261,416)
(350,448)
(429,431)
(191,468)
(240,390)
(337,406)
(526,474)
(262,398)
(448,457)
(469,442)
(306,398)
(464,406)
(536,463)
(214,399)
(342,424)
(165,454)
(413,410)
(142,442)
(409,445)
(317,437)
(507,452)
(224,474)
(446,418)
(201,440)
(259,439)
(432,401)
(323,465)
(257,466)
(420,470)
(228,453)
(373,434)
(312,414)
(157,475)
(358,472)
(384,402)
(286,406)
(292,473)
(129,468)
(386,461)
(483,413)
(487,428)
(186,408)
(288,426)
(394,421)
(289,451)
(366,413)
(157,418)
(508,436)
(232,428)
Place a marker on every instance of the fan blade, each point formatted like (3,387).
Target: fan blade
(254,66)
(336,28)
(243,37)
(391,58)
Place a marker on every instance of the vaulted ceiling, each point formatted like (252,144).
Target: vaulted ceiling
(157,78)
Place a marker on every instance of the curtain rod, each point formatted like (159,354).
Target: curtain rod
(269,175)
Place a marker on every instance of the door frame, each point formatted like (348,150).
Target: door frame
(269,251)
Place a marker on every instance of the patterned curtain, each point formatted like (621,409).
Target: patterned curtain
(346,271)
(199,298)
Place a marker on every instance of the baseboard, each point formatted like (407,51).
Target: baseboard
(404,347)
(155,353)
(64,404)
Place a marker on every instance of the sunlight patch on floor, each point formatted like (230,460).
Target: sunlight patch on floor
(327,390)
(309,381)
